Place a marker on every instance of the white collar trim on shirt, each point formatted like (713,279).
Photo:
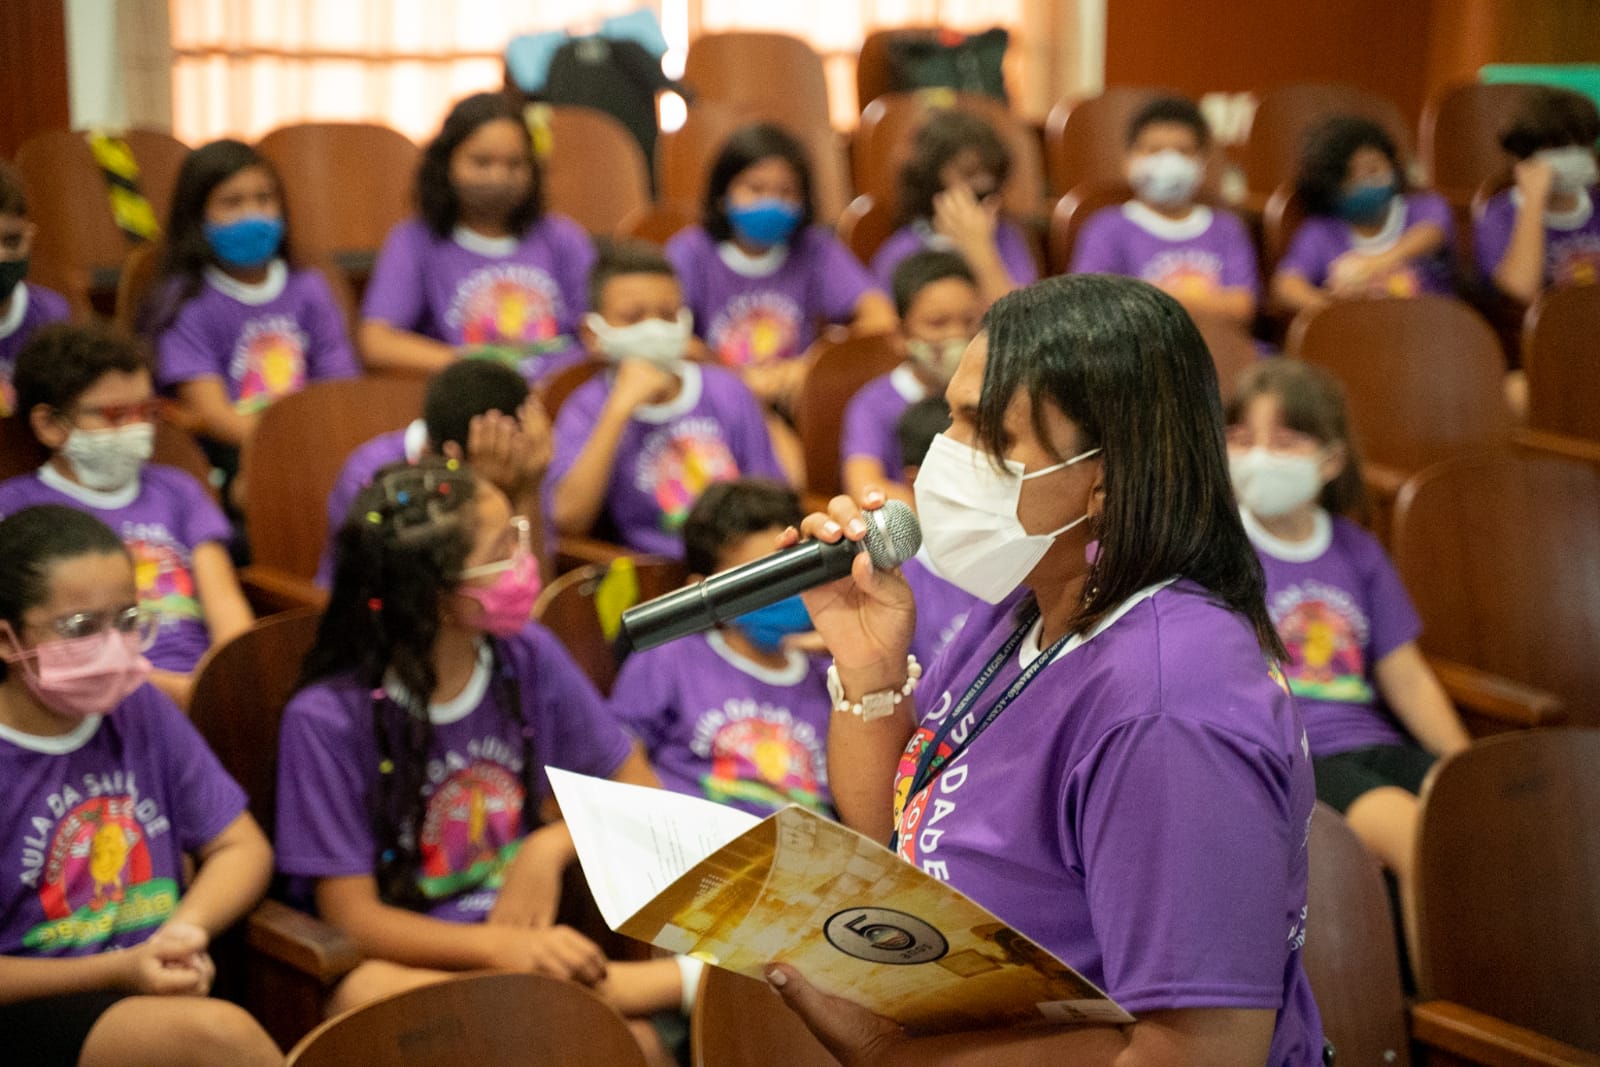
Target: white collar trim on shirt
(906,383)
(745,265)
(60,744)
(1031,651)
(791,673)
(1305,551)
(19,310)
(462,704)
(101,500)
(473,241)
(690,385)
(1394,224)
(1192,225)
(415,440)
(1576,219)
(263,292)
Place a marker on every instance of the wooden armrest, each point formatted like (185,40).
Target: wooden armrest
(271,590)
(300,941)
(1481,1038)
(1497,697)
(575,552)
(1384,482)
(1578,448)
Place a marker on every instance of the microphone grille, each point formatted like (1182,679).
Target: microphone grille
(893,534)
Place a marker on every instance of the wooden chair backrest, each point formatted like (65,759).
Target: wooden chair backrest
(863,227)
(889,124)
(21,453)
(78,246)
(487,1020)
(776,76)
(1423,375)
(657,222)
(295,455)
(581,605)
(160,156)
(1501,554)
(1233,350)
(840,369)
(240,691)
(874,77)
(1283,215)
(1561,353)
(1271,154)
(345,184)
(596,173)
(740,1022)
(1508,882)
(1085,138)
(1073,210)
(1350,954)
(1458,141)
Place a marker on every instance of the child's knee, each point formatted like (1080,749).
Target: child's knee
(215,1031)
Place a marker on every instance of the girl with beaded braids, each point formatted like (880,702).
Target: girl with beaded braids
(409,781)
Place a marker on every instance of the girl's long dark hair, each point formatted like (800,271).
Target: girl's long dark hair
(1312,402)
(398,555)
(746,147)
(1125,362)
(437,201)
(186,253)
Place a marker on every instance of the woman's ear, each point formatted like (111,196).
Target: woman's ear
(1334,462)
(1097,491)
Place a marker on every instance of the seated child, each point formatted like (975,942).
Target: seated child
(235,322)
(23,307)
(735,715)
(937,299)
(1200,255)
(950,202)
(133,849)
(1375,716)
(1544,230)
(86,393)
(476,410)
(942,608)
(410,770)
(1367,232)
(484,269)
(639,443)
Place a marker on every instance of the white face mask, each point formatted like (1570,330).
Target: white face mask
(652,340)
(1270,484)
(1572,169)
(1165,178)
(938,358)
(106,460)
(969,519)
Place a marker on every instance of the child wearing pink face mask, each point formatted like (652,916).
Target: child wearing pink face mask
(410,772)
(109,794)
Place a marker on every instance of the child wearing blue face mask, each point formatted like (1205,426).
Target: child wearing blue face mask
(234,323)
(757,274)
(1368,233)
(735,715)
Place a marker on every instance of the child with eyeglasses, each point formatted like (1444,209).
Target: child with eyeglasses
(86,394)
(110,796)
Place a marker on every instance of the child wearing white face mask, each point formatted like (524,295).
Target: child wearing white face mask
(1376,717)
(638,444)
(1200,255)
(87,395)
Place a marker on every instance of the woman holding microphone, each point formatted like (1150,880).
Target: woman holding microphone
(1106,757)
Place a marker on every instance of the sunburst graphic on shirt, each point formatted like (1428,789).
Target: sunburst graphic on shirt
(1578,263)
(756,328)
(684,467)
(510,304)
(165,582)
(470,830)
(269,362)
(1324,635)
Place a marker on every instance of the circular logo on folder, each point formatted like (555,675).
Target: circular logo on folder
(883,935)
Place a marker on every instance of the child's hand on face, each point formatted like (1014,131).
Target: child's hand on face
(510,451)
(639,383)
(965,219)
(1533,179)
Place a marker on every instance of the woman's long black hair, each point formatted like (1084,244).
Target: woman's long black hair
(1124,361)
(186,253)
(437,201)
(398,555)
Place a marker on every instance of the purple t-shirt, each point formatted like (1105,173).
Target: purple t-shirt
(1321,240)
(1197,255)
(712,431)
(162,518)
(916,237)
(720,726)
(754,310)
(466,290)
(942,610)
(96,824)
(1571,240)
(1141,810)
(328,770)
(364,462)
(1339,608)
(871,416)
(263,341)
(32,306)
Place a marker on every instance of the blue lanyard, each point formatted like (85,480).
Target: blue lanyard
(930,763)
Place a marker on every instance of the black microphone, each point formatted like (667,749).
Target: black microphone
(893,537)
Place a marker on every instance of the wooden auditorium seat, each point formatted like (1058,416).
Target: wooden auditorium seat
(583,607)
(740,1022)
(1458,140)
(1271,153)
(160,157)
(1561,353)
(841,368)
(1508,903)
(596,172)
(874,75)
(773,76)
(485,1020)
(78,250)
(1074,209)
(863,227)
(1501,555)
